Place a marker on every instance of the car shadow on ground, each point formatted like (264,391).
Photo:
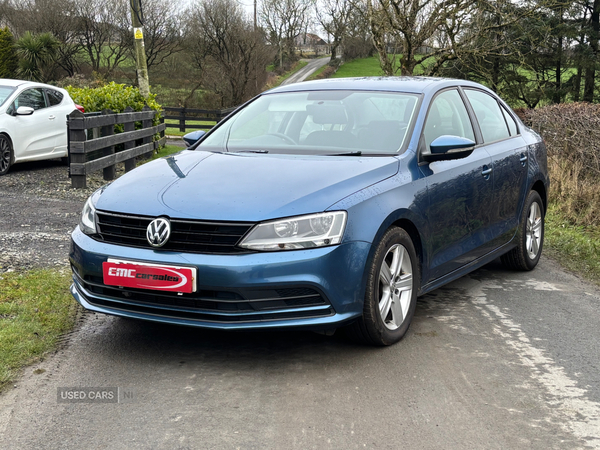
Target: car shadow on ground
(34,166)
(142,342)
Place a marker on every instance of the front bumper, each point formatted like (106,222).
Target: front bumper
(315,289)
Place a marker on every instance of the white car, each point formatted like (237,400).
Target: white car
(33,122)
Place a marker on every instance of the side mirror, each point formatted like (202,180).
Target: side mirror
(24,111)
(445,148)
(193,137)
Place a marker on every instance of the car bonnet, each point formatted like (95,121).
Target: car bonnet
(242,187)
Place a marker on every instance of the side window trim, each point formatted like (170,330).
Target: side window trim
(507,111)
(472,116)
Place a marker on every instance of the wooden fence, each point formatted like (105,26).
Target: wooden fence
(184,115)
(91,151)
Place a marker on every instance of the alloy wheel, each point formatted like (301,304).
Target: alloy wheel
(5,154)
(395,286)
(533,232)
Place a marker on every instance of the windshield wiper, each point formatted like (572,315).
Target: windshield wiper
(357,153)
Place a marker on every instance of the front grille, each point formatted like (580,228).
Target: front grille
(190,236)
(244,305)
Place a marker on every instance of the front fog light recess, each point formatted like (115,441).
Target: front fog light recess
(294,233)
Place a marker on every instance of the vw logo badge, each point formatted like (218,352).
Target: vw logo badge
(158,232)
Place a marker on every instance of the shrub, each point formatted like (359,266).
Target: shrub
(572,135)
(9,61)
(113,96)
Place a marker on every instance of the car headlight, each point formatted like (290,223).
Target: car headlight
(87,224)
(294,233)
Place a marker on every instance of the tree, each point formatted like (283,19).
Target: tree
(48,16)
(283,20)
(230,55)
(358,41)
(429,33)
(593,35)
(9,60)
(101,27)
(37,54)
(333,15)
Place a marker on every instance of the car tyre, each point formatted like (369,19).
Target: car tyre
(391,292)
(6,154)
(530,237)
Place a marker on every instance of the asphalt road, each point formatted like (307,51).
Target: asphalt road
(306,71)
(496,360)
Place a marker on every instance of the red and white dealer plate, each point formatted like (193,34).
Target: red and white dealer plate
(149,276)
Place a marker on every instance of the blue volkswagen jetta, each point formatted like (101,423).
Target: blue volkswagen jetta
(319,205)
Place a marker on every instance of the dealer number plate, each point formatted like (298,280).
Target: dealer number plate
(149,276)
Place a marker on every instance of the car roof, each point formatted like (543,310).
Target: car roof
(17,83)
(417,85)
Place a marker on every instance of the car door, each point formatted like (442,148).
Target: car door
(508,151)
(59,107)
(33,135)
(459,191)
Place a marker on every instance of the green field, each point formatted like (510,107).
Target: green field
(174,130)
(367,67)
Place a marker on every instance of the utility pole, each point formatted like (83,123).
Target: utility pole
(138,43)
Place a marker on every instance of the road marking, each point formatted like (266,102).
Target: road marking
(568,400)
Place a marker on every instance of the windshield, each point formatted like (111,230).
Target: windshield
(318,122)
(5,92)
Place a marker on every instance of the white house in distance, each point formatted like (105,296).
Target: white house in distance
(308,43)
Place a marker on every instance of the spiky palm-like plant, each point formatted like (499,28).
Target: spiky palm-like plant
(37,53)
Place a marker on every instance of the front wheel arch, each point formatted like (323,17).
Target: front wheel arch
(390,298)
(6,159)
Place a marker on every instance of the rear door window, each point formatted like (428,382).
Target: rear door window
(489,115)
(54,97)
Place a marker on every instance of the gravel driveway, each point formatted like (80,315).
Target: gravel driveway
(38,211)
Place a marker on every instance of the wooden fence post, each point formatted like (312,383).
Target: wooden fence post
(129,126)
(147,140)
(109,173)
(162,120)
(77,138)
(182,120)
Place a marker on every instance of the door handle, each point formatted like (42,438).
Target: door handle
(486,172)
(523,159)
(51,117)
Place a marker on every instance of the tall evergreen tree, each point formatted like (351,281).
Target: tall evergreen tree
(9,61)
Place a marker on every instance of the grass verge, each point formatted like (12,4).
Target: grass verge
(36,309)
(281,78)
(574,247)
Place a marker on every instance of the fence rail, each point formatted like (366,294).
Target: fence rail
(106,149)
(184,115)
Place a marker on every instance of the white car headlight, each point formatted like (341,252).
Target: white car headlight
(314,230)
(87,224)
